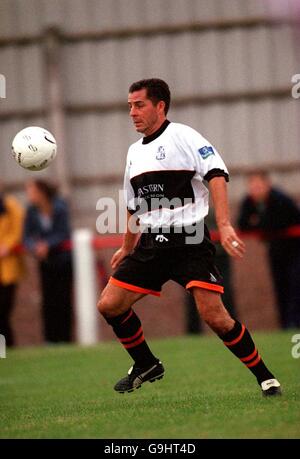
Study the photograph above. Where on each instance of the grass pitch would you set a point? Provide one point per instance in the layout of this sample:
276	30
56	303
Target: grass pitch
66	392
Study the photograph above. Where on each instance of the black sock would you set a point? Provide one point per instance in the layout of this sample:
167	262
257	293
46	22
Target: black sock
239	342
128	329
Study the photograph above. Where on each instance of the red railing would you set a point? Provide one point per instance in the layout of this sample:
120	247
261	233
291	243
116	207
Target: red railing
115	240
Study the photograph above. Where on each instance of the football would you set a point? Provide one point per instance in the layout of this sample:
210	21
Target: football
34	148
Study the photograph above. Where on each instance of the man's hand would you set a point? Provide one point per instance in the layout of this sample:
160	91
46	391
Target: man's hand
233	245
41	250
118	256
129	242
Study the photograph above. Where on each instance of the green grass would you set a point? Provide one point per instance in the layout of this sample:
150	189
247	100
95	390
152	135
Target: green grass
66	392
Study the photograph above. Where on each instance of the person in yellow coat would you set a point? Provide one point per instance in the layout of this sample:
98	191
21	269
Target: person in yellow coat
11	265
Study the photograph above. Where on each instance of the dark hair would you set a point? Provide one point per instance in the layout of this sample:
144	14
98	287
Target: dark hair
157	90
262	173
46	188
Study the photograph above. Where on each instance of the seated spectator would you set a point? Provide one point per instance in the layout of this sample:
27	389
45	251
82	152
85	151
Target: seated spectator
47	228
268	208
11	262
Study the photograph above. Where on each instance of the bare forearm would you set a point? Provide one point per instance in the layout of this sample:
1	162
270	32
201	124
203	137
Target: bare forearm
218	190
130	237
233	245
129	241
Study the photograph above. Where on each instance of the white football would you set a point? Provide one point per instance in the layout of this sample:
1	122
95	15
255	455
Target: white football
34	148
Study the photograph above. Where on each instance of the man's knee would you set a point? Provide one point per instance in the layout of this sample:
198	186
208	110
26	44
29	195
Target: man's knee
107	307
220	324
214	314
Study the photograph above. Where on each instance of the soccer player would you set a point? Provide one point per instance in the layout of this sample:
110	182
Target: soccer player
168	165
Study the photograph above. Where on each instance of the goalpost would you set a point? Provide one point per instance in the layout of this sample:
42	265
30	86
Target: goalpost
85	287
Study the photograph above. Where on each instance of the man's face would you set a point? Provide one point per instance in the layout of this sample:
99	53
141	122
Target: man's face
145	115
259	188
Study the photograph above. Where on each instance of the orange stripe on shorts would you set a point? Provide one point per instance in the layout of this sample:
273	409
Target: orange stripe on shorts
205	285
133	288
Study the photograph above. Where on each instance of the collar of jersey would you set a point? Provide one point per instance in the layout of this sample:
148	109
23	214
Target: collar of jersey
151	137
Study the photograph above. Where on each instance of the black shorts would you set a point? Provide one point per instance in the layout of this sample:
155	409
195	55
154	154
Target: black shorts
152	263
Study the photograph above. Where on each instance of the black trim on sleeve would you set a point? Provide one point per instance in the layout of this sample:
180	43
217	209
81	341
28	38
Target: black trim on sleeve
131	211
216	173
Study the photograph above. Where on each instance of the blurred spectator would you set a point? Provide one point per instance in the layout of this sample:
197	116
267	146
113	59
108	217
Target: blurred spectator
268	208
46	230
11	263
223	262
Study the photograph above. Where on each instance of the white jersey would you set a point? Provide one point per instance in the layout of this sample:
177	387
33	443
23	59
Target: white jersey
164	176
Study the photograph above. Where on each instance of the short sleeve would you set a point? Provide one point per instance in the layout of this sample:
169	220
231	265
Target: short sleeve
128	190
207	161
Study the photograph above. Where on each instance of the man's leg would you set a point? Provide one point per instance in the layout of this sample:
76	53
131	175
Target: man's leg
281	282
235	336
293	297
49	304
115	305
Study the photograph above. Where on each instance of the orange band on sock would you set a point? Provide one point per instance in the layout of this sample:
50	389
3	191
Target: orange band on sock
236	340
135	343
127	317
249	365
250	357
131	338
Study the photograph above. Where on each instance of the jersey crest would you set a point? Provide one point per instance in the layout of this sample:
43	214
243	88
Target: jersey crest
161	154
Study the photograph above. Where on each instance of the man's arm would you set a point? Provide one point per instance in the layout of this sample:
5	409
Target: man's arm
130	240
218	190
13	236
